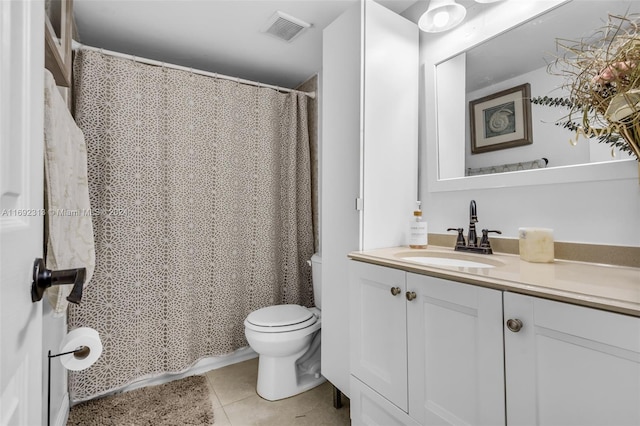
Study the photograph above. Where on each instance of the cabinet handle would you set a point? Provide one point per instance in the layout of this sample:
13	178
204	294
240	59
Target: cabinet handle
514	325
395	291
411	295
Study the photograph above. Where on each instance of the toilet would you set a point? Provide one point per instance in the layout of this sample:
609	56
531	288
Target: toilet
287	339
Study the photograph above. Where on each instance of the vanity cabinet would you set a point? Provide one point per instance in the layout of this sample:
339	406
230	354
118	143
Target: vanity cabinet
570	365
443	352
431	347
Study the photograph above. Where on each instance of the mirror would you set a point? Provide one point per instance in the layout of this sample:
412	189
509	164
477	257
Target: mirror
488	58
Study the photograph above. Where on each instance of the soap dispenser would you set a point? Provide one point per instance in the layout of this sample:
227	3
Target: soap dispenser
418	235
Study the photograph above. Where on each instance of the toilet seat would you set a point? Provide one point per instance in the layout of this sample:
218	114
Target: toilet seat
280	318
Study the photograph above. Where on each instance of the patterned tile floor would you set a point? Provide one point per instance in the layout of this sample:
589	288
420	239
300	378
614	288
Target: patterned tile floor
236	403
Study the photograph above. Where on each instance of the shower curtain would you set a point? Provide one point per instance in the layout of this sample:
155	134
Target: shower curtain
201	206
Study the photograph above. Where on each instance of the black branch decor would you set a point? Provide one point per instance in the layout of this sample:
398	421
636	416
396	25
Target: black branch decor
609	137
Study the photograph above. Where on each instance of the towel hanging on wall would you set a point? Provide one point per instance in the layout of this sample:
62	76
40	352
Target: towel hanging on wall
70	241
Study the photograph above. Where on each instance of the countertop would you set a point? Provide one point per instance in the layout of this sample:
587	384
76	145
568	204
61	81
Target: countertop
608	287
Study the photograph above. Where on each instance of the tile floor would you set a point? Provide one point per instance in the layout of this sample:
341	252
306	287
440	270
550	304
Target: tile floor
236	403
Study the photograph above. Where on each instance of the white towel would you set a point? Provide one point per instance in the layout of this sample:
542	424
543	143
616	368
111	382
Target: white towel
70	241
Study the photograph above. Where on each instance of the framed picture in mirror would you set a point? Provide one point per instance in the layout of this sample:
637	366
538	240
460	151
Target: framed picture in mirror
501	120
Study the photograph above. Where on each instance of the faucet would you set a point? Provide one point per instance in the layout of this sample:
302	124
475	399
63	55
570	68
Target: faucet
472	240
471	244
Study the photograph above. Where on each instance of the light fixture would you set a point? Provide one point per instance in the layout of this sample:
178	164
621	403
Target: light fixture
442	15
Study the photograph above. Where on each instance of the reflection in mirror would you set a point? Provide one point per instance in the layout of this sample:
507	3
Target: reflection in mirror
514	58
53	10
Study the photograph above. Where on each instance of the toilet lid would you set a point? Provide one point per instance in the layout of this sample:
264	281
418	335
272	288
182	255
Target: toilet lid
281	317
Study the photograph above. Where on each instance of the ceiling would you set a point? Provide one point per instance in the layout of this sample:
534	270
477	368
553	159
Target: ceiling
222	36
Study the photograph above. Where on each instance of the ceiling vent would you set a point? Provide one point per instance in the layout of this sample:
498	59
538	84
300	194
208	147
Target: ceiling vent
285	27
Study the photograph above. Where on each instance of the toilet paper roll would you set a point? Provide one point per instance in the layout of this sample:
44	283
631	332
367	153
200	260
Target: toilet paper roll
83	336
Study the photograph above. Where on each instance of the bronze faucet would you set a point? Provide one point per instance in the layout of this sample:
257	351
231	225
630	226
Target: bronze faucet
472	240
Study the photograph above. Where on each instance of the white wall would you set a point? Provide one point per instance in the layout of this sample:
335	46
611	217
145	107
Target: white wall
593	212
549	140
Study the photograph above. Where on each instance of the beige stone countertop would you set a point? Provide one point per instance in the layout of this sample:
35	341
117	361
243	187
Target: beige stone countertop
608	287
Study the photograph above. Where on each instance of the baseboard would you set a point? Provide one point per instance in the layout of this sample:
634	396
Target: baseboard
200	367
63	411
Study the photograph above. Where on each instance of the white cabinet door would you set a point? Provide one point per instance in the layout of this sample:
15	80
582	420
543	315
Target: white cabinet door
570	365
368	408
456	364
378	330
21	221
340	156
390	127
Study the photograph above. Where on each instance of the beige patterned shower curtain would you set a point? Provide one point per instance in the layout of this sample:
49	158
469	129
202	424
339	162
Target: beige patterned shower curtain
201	204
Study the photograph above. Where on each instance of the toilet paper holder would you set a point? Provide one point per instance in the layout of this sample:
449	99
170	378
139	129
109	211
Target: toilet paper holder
82	348
81	352
44	278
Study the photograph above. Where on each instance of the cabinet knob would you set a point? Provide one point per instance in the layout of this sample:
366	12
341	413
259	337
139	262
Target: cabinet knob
411	295
395	291
514	325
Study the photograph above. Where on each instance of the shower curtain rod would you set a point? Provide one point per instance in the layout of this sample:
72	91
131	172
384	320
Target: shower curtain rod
76	46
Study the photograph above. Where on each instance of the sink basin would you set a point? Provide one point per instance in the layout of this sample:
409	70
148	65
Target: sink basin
446	259
443	261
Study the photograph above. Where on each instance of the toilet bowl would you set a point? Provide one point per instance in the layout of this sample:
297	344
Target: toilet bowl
287	340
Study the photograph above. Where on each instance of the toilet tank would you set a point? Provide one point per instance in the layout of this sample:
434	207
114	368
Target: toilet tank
316	278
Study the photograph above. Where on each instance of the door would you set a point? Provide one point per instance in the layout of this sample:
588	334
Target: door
389	171
340	186
378	329
456	367
570	365
21	201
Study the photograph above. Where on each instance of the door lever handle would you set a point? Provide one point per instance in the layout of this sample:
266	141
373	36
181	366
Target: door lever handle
44	278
